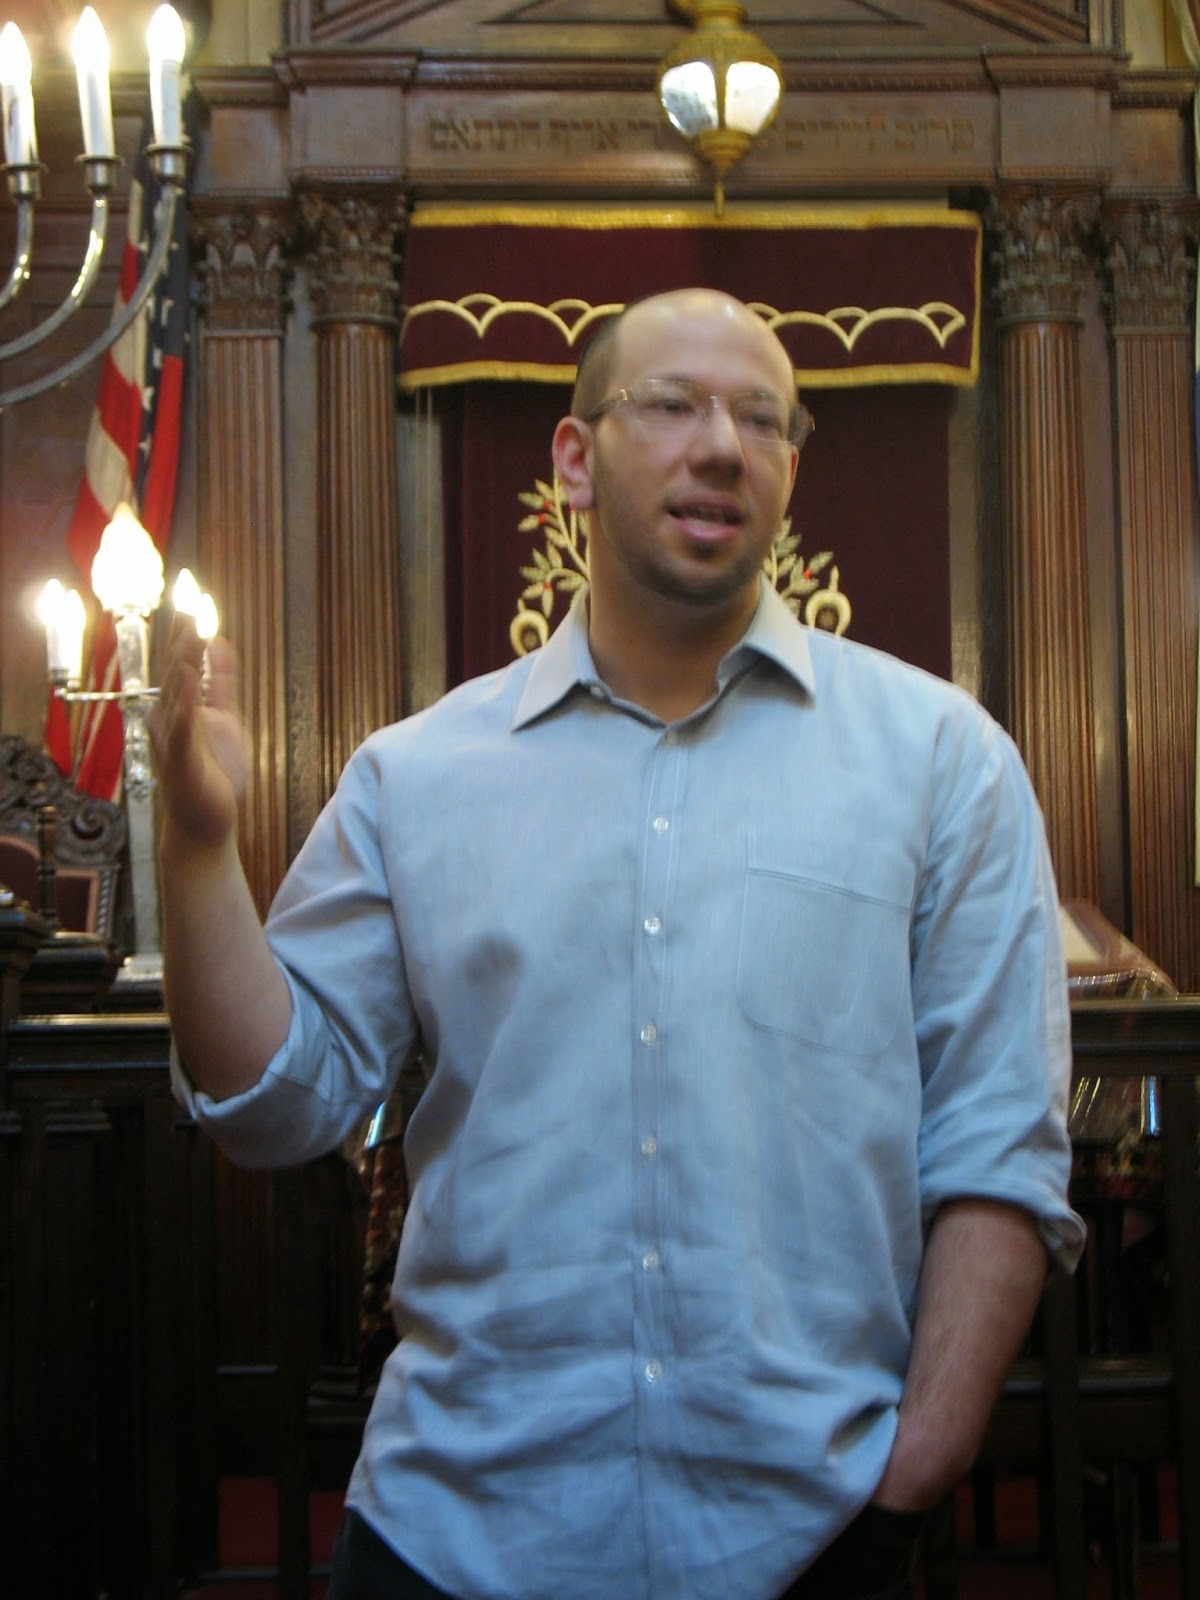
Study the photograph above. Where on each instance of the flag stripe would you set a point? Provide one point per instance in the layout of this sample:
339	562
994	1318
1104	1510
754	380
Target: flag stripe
158	494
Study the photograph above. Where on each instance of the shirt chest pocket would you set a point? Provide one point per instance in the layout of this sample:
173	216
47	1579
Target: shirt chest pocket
824	962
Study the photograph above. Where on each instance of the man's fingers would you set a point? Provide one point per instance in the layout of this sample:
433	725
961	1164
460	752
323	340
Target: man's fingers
222	675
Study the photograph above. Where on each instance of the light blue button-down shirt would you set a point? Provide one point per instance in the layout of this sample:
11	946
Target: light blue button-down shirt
718	1014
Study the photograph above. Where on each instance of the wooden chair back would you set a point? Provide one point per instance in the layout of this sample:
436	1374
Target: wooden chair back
89	840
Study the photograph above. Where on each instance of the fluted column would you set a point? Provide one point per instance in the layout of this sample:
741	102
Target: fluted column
240	536
354	291
1048	645
1151	267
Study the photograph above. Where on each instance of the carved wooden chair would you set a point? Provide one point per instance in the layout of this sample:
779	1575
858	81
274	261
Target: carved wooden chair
87	843
61	852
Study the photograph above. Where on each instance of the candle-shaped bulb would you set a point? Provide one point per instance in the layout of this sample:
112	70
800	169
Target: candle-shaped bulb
127	574
16	97
185	596
89	47
208	623
16	64
166	42
63	617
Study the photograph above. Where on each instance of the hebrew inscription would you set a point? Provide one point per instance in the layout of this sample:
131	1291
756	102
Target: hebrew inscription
880	137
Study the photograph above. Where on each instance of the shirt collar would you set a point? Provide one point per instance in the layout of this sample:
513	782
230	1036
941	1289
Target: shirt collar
774	633
565	660
562	662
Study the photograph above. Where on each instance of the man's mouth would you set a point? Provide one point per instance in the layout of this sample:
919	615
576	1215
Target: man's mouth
706	519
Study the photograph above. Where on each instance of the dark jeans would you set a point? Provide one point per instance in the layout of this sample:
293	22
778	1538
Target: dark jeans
871	1560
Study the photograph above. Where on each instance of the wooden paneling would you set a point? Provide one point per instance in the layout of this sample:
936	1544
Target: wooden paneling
105	1285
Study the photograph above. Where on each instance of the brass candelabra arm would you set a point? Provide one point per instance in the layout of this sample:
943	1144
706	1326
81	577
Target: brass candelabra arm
170	164
79	290
121	697
18	276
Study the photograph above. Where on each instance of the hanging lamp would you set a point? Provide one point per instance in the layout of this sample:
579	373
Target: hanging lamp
720	86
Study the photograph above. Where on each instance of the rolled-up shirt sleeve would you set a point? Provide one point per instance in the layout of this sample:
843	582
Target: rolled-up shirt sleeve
333	932
990	998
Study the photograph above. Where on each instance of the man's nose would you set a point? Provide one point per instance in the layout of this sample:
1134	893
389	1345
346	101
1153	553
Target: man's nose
717	431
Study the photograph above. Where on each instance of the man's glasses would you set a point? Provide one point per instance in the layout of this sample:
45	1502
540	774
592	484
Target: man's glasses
675	407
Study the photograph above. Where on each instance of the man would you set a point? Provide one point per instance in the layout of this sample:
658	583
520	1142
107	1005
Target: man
734	952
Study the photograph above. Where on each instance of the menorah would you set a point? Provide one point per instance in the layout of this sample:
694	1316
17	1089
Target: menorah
167	156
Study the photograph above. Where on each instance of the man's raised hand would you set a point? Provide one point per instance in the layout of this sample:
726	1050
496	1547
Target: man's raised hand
200	743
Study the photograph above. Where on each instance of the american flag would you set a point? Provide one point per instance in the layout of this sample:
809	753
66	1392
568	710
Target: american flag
132	455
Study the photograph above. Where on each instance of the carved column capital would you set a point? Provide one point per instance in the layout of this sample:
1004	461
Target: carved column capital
244	267
352	254
1041	235
1150	256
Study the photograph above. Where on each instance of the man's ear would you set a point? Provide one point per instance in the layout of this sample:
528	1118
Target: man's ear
572	450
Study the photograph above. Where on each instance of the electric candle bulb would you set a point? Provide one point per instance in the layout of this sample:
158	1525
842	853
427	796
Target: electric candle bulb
16	97
62	614
89	47
127	574
188	596
208	623
185	596
166	42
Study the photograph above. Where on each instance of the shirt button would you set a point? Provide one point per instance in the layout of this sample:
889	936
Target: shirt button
660	824
652	1371
649	1145
672	736
649	1033
596	692
652	925
650	1261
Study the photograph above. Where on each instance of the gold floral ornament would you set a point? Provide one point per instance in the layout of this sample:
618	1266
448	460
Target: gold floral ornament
561	567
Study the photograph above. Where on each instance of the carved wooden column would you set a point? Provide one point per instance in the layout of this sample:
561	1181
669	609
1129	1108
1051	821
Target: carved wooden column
240	535
1048	645
354	290
1152	270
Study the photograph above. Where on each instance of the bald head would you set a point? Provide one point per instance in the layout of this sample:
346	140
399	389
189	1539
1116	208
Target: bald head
678	308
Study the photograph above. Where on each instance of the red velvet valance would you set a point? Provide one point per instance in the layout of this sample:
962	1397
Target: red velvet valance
858	295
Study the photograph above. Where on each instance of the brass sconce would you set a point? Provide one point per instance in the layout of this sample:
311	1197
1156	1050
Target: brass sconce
720	86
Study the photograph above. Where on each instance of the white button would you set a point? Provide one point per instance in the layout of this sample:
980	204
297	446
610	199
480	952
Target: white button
649	1145
652	925
672	736
596	692
649	1033
650	1261
652	1371
660	824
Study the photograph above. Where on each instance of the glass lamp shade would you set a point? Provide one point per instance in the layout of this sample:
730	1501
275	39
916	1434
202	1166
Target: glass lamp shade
127	574
689	97
720	77
751	96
